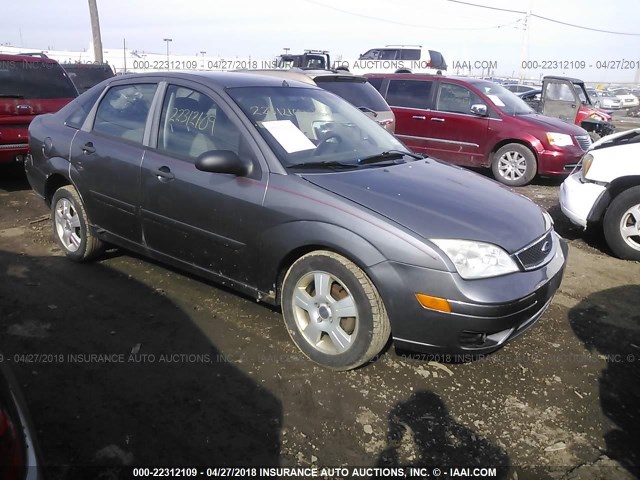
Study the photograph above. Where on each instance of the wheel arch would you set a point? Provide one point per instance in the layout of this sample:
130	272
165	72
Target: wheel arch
53	183
291	241
615	188
507	141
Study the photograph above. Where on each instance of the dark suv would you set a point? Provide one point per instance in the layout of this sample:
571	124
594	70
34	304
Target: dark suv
478	123
86	75
29	85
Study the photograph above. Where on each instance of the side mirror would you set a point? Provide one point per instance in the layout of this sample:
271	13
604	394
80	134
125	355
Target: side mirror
479	109
223	161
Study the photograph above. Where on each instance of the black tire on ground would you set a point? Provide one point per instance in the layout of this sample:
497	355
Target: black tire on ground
71	226
514	165
624	213
320	292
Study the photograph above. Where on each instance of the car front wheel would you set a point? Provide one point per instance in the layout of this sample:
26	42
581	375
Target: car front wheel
622	224
514	165
333	312
71	225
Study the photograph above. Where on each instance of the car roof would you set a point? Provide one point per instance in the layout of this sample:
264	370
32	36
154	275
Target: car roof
425	76
30	58
307	76
219	80
568	79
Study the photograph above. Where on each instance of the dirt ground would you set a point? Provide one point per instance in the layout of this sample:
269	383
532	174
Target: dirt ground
124	361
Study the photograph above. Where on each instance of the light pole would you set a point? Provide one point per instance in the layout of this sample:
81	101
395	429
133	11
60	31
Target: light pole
167	40
203	54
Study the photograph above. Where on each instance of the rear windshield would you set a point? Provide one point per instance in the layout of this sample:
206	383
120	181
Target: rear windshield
20	79
86	76
357	93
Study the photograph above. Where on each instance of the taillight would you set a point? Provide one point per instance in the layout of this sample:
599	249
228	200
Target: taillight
11	449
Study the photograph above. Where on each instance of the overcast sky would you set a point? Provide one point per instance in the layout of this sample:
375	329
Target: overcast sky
262	29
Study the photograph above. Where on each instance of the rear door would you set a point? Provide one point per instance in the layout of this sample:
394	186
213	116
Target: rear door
410	101
457	135
107	156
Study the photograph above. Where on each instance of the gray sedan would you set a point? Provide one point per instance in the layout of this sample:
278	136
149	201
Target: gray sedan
289	194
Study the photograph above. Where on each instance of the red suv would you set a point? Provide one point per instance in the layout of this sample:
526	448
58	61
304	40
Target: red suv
478	123
29	85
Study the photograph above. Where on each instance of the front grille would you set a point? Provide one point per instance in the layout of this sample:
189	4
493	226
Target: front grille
584	141
535	255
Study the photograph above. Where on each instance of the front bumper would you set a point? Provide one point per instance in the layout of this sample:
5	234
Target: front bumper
578	198
559	162
485	315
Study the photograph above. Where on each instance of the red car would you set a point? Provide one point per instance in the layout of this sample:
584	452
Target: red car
29	85
477	123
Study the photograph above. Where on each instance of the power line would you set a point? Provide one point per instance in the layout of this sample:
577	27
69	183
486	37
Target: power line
584	28
546	18
402	24
488	7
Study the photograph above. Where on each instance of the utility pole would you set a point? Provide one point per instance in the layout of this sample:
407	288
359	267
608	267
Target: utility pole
95	29
524	55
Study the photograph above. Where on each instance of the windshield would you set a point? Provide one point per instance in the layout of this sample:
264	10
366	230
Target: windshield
310	125
502	98
621	91
356	92
35	80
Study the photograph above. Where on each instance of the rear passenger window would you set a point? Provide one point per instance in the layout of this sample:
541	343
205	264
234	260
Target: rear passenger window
457	99
409	93
123	111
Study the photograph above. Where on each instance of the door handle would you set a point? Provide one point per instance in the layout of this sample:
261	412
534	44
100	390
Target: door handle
164	174
88	148
437	119
419	117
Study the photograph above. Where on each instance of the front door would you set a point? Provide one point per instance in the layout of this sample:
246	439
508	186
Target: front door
559	100
204	219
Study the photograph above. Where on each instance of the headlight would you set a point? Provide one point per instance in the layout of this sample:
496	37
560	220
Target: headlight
587	160
477	259
559	139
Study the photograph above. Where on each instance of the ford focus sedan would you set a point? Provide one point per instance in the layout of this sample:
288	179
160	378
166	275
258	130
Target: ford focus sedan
289	194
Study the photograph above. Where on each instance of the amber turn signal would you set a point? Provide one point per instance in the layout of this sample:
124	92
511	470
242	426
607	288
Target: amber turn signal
434	303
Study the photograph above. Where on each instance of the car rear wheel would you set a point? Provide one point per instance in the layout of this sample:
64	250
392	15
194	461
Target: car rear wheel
622	224
333	312
514	165
71	225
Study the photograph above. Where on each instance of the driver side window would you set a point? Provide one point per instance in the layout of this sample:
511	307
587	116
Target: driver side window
191	123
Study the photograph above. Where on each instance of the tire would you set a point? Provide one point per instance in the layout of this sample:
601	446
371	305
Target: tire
514	165
339	342
622	225
71	225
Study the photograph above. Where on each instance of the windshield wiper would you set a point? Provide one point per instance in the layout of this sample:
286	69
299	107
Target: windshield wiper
389	155
324	164
11	95
368	110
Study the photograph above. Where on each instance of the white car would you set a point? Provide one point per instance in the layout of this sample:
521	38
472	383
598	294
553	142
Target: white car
606	191
626	97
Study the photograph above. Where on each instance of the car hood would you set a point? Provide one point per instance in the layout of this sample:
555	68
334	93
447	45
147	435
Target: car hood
437	200
552	124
